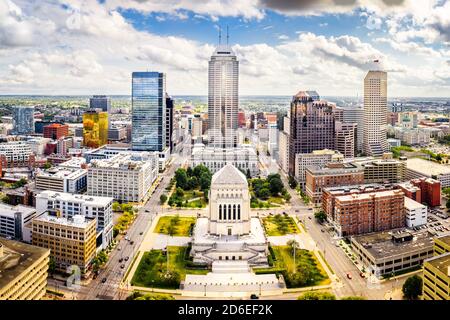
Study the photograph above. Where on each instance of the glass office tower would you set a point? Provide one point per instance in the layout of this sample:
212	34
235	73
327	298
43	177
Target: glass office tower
95	129
23	120
149	111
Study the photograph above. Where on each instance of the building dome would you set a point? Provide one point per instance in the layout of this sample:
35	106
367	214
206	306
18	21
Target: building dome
229	175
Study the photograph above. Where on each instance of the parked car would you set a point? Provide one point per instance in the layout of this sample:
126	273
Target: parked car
127	258
362	275
122	266
132	242
104	280
120	260
349	276
141	233
254	297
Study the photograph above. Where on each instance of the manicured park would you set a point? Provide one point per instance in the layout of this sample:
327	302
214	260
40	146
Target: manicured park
175	226
304	272
280	225
156	270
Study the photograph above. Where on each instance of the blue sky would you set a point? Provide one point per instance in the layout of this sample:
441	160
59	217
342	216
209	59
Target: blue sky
88	47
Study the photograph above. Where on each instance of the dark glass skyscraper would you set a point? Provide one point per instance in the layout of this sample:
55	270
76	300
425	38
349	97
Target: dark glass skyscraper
149	111
170	115
100	102
312	125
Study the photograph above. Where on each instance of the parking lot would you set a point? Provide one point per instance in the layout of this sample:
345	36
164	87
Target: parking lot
438	223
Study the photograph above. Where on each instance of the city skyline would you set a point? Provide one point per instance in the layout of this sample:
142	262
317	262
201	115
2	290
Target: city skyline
78	48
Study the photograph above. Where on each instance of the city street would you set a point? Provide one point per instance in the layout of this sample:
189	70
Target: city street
113	271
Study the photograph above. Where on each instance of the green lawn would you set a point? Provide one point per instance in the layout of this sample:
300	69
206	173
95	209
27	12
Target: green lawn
272	202
280	225
152	269
181	225
307	270
190	199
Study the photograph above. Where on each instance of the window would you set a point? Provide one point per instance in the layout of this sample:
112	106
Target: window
234	212
220	212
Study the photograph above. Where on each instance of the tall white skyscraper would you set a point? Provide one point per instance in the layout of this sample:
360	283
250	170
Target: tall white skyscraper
375	113
223	98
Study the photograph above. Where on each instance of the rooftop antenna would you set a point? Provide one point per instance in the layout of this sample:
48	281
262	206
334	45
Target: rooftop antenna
228	36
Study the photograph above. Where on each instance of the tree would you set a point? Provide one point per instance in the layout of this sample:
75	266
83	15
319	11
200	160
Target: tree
47	165
412	288
320	216
447	204
205	180
353	298
51	265
275	184
163	198
179	193
181	179
193	183
264	193
117	207
311	295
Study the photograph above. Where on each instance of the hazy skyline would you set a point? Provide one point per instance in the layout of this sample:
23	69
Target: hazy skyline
92	47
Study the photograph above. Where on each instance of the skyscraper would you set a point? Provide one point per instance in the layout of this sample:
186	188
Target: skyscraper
375	113
355	114
223	98
149	111
170	115
100	102
95	129
312	125
23	120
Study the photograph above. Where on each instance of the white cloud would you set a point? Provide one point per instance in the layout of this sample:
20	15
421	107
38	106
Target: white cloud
100	55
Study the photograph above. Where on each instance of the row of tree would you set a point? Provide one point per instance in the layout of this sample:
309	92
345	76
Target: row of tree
191	179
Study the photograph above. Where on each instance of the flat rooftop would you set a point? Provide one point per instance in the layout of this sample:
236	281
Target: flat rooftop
16	258
445	239
441	262
335	168
380	244
8	210
358	188
411	204
68	197
76	221
427	168
120	161
61	172
368	195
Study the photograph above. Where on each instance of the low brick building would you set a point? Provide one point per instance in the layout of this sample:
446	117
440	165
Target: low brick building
356	214
331	175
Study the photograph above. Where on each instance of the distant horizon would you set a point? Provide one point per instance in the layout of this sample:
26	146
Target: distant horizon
205	95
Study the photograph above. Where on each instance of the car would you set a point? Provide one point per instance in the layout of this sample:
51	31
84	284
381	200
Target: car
349	276
122	266
362	275
120	260
104	280
141	233
254	297
119	248
127	258
147	211
310	209
309	218
132	242
322	230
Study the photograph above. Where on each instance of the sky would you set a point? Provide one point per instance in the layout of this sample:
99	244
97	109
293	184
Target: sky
85	47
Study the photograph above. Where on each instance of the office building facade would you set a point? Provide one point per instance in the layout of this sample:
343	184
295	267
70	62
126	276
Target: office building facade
149	111
23	120
375	113
95	129
223	98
